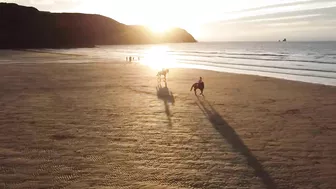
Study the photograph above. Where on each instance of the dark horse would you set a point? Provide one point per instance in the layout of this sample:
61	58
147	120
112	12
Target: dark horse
199	86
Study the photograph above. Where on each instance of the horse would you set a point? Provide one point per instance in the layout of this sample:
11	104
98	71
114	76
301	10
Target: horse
199	86
163	73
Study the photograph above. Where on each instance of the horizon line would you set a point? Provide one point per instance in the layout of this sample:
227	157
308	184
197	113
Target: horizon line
200	41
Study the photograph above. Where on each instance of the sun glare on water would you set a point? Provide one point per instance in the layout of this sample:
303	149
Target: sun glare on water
158	58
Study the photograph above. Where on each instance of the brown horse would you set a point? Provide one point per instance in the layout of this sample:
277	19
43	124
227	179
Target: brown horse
199	86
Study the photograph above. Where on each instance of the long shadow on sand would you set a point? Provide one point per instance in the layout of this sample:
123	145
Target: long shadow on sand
234	140
167	97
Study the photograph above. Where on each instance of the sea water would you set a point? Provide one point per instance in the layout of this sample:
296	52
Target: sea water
313	62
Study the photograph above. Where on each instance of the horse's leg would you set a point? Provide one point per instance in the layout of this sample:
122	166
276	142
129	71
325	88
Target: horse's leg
159	78
195	90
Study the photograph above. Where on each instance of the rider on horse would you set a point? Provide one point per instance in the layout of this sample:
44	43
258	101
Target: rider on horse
199	85
163	73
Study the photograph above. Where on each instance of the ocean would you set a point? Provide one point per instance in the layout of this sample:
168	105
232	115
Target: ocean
313	62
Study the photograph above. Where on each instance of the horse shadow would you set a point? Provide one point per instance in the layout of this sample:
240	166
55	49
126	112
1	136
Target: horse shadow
230	135
167	97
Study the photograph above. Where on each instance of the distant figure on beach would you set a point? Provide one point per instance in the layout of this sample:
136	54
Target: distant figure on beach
199	85
163	73
130	59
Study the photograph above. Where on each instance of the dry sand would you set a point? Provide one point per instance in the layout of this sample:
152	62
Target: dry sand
106	126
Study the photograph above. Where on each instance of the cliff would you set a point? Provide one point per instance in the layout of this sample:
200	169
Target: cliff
27	27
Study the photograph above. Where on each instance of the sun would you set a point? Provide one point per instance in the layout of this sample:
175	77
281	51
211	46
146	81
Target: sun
158	28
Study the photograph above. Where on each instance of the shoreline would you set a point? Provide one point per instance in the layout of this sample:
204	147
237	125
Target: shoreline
280	78
119	62
78	58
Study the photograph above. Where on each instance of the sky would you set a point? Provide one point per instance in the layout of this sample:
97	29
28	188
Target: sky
215	20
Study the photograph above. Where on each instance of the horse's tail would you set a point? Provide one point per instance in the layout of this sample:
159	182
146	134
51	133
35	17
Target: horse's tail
193	86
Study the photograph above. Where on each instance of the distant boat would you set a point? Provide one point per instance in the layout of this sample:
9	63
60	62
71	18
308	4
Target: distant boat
284	40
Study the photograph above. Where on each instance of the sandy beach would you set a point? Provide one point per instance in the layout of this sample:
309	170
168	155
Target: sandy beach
109	125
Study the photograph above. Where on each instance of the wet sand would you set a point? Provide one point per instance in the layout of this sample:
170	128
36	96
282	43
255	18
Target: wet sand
111	126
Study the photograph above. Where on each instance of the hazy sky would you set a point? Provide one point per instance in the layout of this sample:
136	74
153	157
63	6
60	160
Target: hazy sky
215	20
